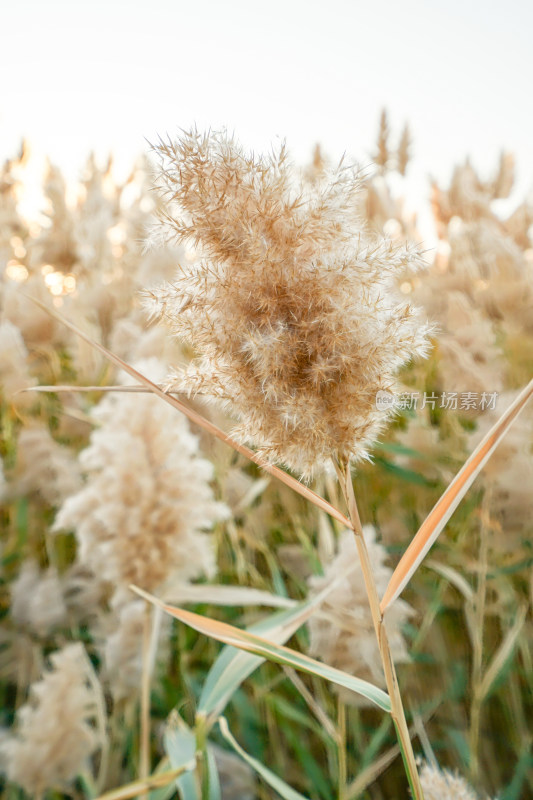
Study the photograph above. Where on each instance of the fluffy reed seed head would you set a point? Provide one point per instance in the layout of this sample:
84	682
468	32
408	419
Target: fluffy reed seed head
120	638
292	309
44	466
54	735
342	634
37	602
444	785
143	515
14	372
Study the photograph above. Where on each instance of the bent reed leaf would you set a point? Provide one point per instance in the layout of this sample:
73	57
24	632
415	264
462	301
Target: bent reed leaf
198	419
279	785
232	666
243	640
444	508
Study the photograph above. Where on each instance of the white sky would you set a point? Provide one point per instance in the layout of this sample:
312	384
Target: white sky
105	74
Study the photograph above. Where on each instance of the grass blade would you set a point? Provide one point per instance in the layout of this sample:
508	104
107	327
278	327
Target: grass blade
454	578
444	508
282	788
232	666
369	774
198	419
251	643
503	654
180	747
215	791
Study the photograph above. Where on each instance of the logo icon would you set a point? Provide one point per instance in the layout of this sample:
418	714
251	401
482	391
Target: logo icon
384	400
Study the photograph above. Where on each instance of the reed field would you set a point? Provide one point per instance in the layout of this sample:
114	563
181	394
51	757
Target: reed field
266	479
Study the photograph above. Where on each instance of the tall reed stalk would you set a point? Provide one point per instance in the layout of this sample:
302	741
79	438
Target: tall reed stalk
397	713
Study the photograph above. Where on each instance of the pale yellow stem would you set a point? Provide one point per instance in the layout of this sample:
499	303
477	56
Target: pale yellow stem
397	712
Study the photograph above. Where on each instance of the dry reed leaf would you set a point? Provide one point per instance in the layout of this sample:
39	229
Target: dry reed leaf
199	420
155	781
66	388
227	596
112	388
244	640
371	773
444	508
313	704
453	577
503	653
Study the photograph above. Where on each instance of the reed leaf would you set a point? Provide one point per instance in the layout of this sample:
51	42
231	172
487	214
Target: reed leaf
282	788
233	666
444	508
503	654
180	747
251	643
228	596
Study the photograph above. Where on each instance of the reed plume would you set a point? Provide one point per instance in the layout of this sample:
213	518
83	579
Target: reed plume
444	785
44	466
37	602
54	735
291	307
145	510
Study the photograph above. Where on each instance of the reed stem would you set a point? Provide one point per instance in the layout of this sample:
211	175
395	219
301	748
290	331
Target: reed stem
397	712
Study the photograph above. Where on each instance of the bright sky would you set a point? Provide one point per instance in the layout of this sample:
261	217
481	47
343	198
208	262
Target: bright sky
103	75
